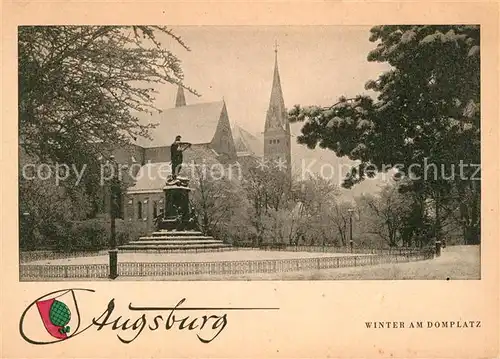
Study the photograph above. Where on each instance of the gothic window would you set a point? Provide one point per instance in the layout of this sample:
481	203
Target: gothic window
277	141
155	209
139	209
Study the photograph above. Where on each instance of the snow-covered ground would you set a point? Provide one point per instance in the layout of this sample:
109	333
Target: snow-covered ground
455	263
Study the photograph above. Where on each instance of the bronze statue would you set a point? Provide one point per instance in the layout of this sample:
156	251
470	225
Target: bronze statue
176	150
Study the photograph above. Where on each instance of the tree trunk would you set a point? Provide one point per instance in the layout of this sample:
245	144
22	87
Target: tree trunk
470	215
473	227
437	222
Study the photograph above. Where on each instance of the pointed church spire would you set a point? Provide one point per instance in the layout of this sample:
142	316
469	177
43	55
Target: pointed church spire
276	114
180	99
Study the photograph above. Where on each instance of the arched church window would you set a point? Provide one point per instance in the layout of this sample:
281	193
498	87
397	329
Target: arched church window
139	209
155	209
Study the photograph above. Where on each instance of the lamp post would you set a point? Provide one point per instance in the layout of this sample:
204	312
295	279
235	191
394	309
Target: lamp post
351	243
113	206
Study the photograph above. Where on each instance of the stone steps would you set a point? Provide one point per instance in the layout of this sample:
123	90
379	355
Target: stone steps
182	250
170	247
176	234
171	242
175	238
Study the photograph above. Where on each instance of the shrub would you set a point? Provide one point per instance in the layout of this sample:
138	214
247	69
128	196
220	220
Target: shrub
56	234
88	235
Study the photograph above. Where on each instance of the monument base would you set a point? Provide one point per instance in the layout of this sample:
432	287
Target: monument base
177	227
175	241
176	224
178	214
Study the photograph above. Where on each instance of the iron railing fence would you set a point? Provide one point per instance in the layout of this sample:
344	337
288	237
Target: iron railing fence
166	269
140	269
51	271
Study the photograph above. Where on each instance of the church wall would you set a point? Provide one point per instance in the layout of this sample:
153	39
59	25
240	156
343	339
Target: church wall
143	223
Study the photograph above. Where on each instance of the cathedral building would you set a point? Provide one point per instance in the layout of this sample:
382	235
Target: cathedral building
207	127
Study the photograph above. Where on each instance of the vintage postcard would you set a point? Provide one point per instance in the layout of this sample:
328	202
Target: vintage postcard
250	180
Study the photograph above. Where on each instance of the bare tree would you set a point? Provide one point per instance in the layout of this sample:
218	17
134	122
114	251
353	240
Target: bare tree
387	211
214	201
317	219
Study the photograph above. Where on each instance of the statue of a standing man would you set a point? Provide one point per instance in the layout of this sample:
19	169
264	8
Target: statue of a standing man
176	150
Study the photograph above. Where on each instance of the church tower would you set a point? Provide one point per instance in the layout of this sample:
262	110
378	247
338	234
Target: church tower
277	144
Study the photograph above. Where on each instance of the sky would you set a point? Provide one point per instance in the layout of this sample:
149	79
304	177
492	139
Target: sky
317	65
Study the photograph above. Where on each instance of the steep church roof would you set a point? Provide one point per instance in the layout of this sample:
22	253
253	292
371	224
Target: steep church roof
196	124
247	143
276	114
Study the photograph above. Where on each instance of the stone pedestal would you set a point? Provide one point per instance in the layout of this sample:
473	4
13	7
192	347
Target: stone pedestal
177	214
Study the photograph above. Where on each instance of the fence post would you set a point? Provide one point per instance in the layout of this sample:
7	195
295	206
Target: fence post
438	248
113	263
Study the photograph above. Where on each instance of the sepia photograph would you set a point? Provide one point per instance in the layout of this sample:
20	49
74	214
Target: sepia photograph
255	153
